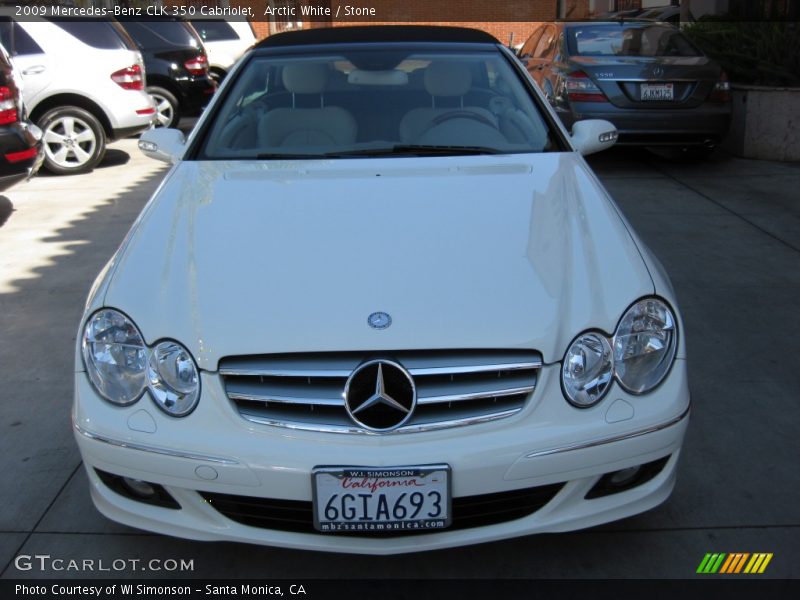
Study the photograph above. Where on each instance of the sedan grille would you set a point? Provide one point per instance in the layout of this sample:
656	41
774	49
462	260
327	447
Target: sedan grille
454	388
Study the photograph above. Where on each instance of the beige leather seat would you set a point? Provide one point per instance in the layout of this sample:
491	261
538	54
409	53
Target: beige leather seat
442	80
323	126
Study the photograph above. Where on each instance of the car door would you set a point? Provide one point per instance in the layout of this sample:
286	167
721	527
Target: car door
33	65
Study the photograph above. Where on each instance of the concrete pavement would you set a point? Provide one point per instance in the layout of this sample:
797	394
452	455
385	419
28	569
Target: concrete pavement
728	232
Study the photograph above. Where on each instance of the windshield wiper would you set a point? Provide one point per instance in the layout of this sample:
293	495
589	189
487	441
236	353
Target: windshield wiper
283	156
396	150
417	150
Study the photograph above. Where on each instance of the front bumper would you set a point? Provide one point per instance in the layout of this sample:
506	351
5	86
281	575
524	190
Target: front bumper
215	451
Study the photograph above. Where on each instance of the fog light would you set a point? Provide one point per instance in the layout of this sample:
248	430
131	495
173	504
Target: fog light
625	476
139	487
626	479
138	490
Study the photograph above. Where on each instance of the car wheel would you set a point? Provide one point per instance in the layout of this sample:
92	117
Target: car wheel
167	109
74	140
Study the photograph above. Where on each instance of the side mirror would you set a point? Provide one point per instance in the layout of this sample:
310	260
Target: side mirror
593	136
166	145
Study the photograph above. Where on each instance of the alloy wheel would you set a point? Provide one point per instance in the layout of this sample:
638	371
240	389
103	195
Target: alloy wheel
165	112
70	142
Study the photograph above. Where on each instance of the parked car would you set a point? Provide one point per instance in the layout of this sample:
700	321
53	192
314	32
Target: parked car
21	151
83	86
380	304
225	42
177	67
645	77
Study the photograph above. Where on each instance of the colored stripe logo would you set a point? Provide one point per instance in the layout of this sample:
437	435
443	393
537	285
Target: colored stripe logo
734	563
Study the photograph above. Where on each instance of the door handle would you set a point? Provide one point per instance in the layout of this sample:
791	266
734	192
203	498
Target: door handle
34	70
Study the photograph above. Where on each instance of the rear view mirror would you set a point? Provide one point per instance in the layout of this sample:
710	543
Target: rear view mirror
593	136
165	145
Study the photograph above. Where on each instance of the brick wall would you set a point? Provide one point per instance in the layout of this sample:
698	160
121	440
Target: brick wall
500	18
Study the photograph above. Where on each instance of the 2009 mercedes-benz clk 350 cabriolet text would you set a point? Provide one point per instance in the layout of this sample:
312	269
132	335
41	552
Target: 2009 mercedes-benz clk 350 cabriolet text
379	304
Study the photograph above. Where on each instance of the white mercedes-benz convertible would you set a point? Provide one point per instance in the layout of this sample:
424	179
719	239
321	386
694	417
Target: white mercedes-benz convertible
379	304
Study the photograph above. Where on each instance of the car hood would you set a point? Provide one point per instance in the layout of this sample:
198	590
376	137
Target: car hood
236	258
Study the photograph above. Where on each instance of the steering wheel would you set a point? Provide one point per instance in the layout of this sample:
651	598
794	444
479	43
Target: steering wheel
463	114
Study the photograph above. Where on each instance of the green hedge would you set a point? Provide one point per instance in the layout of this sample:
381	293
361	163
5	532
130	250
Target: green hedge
754	53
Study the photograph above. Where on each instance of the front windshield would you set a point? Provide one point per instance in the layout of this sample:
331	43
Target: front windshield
376	102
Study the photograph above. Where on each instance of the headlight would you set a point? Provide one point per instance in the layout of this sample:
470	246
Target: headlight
172	379
644	345
588	369
121	366
115	356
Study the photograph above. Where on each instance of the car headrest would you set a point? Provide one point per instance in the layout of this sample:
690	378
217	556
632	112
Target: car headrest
306	78
447	79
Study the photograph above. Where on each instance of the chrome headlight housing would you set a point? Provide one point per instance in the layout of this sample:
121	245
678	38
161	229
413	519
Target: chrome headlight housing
588	369
115	356
173	379
639	355
121	366
645	344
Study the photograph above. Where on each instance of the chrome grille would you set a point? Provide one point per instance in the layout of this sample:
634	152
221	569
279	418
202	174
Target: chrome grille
454	388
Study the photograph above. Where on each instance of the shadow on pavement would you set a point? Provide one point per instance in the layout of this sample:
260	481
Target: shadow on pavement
51	266
114	157
6	208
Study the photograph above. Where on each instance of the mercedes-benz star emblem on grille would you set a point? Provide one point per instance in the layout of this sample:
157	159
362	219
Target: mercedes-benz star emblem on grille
379	320
380	395
658	71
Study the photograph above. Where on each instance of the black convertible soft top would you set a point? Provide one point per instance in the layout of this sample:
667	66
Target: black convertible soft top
378	33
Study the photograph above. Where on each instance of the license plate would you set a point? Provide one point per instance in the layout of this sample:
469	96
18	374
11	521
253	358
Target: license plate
380	500
657	91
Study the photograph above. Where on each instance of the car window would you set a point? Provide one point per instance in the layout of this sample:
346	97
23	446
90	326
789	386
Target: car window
16	39
96	33
633	39
546	42
214	31
375	102
160	34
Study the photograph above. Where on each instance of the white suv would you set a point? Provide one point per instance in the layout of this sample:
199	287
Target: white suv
225	42
84	86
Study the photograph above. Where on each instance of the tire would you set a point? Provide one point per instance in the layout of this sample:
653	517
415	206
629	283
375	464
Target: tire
168	111
74	140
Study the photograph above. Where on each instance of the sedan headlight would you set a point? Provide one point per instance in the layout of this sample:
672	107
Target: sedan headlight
121	366
644	345
638	356
172	379
115	356
588	369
